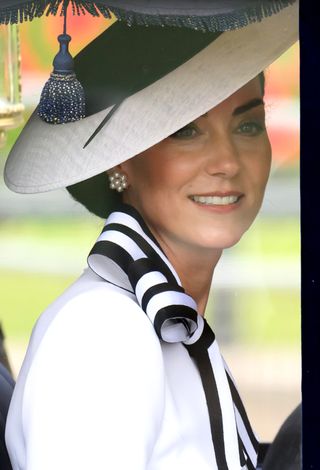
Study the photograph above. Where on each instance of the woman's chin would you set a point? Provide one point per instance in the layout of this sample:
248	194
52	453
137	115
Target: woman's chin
218	242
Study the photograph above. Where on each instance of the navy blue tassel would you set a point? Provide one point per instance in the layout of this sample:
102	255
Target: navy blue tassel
62	98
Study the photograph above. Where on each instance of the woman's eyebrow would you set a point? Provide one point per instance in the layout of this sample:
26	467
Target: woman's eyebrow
244	107
249	105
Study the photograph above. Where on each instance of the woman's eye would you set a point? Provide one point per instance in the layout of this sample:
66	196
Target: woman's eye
251	128
186	132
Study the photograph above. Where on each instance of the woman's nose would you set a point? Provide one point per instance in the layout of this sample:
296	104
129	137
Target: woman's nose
222	158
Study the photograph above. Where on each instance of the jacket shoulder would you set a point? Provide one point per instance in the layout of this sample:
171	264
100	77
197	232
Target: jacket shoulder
96	357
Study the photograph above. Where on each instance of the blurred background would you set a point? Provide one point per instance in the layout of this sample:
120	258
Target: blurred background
254	306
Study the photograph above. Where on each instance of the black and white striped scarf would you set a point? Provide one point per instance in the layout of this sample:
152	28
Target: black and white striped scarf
127	254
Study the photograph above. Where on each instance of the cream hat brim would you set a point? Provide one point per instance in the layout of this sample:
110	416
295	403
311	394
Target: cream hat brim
47	156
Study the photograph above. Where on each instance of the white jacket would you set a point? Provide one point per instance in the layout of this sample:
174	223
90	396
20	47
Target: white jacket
98	390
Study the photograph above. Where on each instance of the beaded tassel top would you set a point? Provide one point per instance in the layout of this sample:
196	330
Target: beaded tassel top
62	98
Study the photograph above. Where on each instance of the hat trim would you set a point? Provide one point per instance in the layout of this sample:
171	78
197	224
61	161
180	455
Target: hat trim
200	18
31	9
203	19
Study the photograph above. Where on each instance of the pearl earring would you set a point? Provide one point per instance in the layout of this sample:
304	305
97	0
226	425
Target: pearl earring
118	181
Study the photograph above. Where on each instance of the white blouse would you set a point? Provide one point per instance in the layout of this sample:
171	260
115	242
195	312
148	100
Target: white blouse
98	390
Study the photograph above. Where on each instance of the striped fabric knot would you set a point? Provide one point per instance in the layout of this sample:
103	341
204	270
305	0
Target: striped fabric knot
127	255
172	311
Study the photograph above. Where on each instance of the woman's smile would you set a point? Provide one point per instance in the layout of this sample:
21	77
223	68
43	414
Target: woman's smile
218	202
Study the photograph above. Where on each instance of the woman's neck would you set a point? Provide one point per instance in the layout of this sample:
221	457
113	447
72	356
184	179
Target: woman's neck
195	268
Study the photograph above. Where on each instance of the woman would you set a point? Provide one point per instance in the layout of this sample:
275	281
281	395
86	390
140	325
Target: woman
154	392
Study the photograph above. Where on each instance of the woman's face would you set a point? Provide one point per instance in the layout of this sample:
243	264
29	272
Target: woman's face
202	187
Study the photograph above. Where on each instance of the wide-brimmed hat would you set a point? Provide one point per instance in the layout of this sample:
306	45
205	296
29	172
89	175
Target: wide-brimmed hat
158	80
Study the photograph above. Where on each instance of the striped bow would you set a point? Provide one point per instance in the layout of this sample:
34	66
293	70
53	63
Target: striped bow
127	255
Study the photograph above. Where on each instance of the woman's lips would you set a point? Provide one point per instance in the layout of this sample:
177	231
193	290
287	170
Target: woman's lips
218	201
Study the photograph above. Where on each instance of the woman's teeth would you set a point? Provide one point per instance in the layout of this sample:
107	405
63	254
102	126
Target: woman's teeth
215	200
